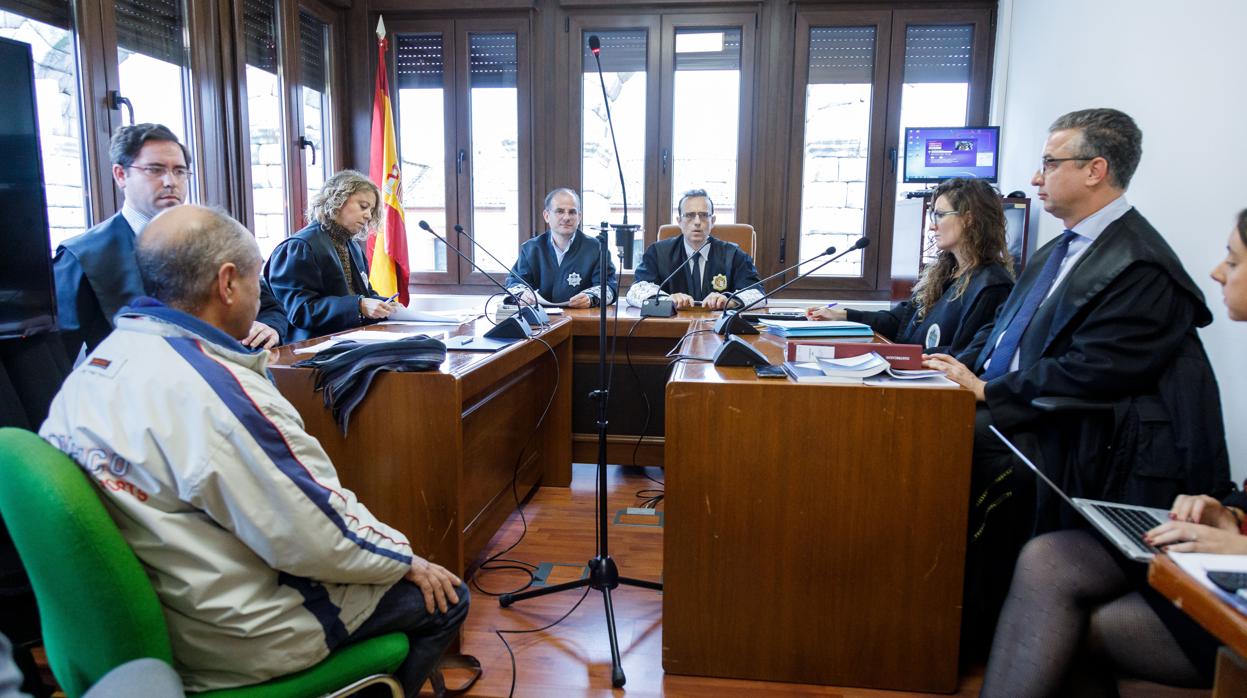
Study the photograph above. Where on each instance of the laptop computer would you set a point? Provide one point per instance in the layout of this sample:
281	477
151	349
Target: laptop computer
1122	524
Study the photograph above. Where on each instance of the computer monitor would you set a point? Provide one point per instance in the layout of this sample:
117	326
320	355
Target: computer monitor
937	154
27	294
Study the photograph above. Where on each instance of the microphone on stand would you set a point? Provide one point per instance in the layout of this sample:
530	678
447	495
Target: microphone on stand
624	234
731	322
534	313
654	306
736	352
506	331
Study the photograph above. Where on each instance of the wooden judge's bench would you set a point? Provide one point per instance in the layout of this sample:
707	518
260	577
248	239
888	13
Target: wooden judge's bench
805	540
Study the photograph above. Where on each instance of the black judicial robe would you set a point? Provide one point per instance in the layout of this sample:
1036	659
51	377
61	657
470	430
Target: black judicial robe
1121	328
538	267
306	276
97	275
950	325
726	258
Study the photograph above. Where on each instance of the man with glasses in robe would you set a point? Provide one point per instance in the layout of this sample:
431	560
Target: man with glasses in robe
713	268
96	274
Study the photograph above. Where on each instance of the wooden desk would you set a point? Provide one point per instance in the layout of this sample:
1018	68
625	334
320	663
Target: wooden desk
1213	614
646	342
805	540
433	453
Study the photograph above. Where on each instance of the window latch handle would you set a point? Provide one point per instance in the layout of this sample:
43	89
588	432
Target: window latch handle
666	155
116	101
463	155
305	142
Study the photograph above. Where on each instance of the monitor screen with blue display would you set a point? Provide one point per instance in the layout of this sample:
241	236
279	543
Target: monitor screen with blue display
937	154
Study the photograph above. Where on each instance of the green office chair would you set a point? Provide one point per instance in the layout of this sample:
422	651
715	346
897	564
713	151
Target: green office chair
97	606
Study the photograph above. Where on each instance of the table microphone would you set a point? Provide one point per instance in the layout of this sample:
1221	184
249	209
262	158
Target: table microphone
509	329
665	307
737	352
731	322
534	314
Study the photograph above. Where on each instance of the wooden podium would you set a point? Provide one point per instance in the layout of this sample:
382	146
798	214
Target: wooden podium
433	453
814	533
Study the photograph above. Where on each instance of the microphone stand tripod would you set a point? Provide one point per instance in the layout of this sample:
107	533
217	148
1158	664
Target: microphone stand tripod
603	573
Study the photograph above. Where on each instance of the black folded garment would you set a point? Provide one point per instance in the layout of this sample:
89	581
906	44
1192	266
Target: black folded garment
345	371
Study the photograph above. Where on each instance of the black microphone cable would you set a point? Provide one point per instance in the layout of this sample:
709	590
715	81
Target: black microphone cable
519	565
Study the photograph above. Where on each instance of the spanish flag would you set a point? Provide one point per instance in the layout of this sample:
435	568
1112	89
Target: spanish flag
388	268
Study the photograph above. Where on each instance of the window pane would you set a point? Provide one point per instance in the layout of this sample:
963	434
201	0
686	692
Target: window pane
314	97
265	125
494	118
152	63
623	70
705	127
937	81
420	69
837	139
56	99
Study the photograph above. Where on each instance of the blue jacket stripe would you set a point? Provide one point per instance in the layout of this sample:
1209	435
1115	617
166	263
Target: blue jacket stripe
316	600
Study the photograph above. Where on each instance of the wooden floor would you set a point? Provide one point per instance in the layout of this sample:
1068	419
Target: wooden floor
573	657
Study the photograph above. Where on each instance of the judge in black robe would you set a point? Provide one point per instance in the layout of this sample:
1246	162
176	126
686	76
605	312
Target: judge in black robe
307	276
538	267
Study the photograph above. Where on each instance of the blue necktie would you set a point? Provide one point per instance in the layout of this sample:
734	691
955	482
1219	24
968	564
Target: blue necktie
1002	356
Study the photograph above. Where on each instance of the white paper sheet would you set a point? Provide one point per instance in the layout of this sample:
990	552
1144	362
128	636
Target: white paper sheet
1198	564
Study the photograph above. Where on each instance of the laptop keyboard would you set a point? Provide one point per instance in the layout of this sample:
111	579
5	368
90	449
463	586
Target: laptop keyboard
1131	521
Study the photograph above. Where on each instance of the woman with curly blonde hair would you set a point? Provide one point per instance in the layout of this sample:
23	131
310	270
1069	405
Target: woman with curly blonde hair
959	292
319	273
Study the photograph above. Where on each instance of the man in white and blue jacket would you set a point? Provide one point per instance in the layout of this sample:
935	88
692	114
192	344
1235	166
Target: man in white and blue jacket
262	560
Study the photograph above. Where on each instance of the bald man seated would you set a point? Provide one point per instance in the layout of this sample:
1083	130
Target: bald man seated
263	561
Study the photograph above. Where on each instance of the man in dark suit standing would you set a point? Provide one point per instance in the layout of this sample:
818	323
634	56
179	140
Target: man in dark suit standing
96	273
713	268
1104	313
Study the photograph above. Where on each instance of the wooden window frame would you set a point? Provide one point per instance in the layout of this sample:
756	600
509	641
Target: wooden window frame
884	151
459	276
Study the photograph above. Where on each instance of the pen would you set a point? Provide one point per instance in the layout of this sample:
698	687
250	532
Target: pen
832	305
391	299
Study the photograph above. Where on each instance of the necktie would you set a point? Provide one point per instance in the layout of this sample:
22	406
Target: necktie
1002	356
697	286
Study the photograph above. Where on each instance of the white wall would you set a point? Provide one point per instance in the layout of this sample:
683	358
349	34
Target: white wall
1180	69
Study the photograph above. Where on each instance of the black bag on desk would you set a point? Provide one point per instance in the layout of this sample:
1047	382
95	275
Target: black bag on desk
345	371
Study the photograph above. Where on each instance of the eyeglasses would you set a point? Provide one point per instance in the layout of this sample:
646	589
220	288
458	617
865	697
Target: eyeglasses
1047	165
180	174
937	216
694	215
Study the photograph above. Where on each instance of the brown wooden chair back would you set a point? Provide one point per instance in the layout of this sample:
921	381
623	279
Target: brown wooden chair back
742	234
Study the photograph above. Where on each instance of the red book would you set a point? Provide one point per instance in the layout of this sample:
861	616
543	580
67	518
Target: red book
900	356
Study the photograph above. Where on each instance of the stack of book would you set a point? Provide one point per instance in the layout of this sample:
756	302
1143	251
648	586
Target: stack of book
840	329
870	369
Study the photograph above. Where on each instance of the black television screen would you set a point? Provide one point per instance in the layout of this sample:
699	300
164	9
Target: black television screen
937	154
27	294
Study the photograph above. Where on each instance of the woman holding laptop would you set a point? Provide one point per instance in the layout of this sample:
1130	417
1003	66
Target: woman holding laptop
1078	615
959	292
